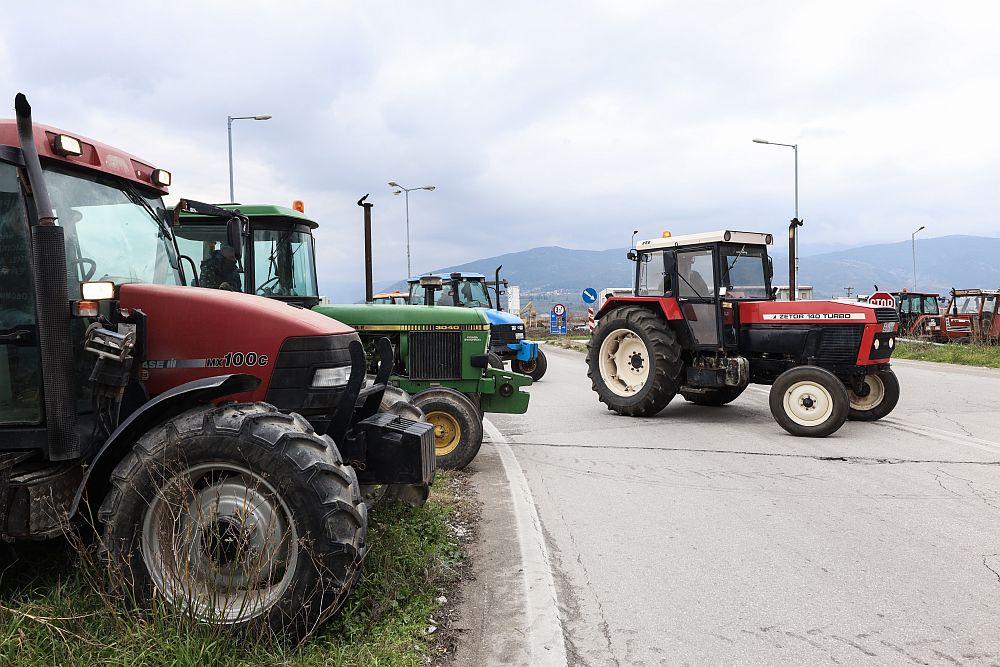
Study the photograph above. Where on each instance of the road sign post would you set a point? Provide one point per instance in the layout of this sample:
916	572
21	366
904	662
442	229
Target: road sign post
557	320
589	296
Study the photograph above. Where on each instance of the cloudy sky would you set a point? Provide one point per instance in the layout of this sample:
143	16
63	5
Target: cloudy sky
558	123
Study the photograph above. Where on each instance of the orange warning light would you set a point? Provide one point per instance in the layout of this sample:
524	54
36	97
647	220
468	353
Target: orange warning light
297	205
666	235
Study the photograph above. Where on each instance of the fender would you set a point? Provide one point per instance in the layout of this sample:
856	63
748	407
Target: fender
96	478
671	309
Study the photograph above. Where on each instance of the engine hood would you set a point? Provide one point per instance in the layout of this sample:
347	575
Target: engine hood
500	317
399	317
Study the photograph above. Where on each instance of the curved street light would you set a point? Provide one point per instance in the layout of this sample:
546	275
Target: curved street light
794	279
406	195
913	246
229	129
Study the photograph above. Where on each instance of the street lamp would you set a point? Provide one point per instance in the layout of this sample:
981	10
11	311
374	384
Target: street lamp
913	245
406	195
794	278
229	129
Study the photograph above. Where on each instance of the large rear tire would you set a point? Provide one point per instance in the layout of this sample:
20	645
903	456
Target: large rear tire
458	426
712	397
534	369
237	515
880	399
634	362
809	401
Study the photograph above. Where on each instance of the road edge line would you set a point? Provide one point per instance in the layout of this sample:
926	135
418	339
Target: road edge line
546	640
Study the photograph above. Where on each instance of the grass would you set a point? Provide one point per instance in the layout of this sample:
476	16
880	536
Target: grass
975	354
53	610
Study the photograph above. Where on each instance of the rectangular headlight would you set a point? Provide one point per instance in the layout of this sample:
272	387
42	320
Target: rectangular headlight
67	145
160	177
97	291
331	377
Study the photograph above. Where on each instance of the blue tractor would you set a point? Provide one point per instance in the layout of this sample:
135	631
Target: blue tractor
470	290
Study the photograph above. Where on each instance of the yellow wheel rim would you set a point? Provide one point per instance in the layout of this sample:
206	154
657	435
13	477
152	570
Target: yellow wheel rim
447	432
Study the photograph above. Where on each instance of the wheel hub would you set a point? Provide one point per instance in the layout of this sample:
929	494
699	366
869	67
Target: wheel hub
624	362
808	403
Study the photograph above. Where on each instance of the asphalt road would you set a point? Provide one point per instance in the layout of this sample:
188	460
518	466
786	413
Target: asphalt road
710	536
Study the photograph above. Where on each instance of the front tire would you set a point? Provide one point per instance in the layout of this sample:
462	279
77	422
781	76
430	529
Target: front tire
634	362
237	515
809	401
458	426
880	399
534	369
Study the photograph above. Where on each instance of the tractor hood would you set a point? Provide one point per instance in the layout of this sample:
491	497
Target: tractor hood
398	317
499	317
194	332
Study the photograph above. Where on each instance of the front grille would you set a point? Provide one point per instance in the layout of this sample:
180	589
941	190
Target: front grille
886	315
290	388
435	355
839	344
502	334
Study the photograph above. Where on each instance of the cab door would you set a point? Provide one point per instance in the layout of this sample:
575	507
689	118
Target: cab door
697	292
20	372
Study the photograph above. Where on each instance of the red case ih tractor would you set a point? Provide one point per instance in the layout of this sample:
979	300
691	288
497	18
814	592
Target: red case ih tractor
702	322
112	374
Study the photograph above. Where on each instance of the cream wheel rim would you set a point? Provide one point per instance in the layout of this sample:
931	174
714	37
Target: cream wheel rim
624	362
808	403
876	393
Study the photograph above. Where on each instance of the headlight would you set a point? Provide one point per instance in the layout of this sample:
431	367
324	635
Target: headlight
519	336
877	344
331	377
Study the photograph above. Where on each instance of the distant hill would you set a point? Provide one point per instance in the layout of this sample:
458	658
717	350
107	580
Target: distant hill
552	274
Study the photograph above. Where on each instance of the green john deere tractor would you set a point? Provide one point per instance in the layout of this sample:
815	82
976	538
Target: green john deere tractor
441	352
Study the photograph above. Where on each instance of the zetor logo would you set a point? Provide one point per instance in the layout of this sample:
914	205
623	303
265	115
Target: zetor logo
814	316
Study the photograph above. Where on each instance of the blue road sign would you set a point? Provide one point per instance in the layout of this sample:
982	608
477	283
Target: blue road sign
558	320
589	295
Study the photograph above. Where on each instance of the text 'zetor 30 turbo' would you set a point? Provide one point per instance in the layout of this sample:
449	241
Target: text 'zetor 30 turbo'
702	321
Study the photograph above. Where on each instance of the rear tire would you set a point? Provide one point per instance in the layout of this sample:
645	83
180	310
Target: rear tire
534	369
237	515
634	362
809	401
494	360
458	426
883	394
712	397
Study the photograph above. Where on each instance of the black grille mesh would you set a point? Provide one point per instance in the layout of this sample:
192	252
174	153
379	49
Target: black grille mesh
839	345
886	315
435	355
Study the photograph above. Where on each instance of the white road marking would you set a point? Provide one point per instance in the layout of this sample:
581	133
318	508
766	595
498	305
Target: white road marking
546	644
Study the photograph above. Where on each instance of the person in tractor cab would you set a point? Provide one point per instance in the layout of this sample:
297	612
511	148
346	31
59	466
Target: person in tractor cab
687	273
220	270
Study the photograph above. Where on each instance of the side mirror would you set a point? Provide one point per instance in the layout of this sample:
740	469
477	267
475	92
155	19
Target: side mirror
632	255
770	269
234	235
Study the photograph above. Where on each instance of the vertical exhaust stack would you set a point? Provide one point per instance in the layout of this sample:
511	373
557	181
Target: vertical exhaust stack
369	293
793	260
48	262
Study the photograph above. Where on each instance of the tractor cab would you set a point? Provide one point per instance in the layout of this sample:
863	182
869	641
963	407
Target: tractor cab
507	333
974	314
708	275
396	298
917	306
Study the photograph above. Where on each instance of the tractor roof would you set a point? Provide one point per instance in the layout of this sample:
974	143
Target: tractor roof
975	292
257	211
96	156
721	236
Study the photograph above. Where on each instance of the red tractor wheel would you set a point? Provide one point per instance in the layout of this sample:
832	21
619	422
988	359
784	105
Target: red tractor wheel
880	395
634	362
809	401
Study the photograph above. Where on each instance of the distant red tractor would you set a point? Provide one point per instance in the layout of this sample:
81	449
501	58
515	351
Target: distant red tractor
702	322
919	314
972	315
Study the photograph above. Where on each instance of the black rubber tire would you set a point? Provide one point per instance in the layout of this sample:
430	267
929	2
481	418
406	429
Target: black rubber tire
840	403
664	353
712	397
494	360
890	386
534	369
305	470
466	416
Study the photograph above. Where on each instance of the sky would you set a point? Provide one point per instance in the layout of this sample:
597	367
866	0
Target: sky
538	123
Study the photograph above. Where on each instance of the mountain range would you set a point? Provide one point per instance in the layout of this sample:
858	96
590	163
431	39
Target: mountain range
552	274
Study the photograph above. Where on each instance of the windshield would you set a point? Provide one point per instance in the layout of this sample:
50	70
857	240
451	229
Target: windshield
930	305
113	231
743	272
463	293
284	263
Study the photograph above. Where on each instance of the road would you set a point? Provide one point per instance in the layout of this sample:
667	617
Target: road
710	536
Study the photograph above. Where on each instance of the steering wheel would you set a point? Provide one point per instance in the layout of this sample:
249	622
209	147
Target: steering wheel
266	288
89	263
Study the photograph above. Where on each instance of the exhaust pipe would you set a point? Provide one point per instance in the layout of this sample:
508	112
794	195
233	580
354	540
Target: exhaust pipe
793	260
48	262
369	293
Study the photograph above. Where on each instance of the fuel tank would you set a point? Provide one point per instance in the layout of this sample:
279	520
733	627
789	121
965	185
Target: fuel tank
194	333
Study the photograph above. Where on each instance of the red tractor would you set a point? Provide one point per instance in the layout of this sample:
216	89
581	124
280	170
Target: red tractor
221	440
919	314
702	322
973	315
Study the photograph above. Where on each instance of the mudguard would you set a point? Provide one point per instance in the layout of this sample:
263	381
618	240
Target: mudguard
165	406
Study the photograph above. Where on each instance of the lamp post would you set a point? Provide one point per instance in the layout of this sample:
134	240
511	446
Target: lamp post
229	129
794	278
406	195
913	246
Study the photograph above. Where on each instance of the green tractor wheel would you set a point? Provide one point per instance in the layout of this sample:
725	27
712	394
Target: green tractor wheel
458	425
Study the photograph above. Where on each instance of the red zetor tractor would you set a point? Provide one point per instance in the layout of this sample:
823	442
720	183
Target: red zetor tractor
919	314
703	322
219	439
